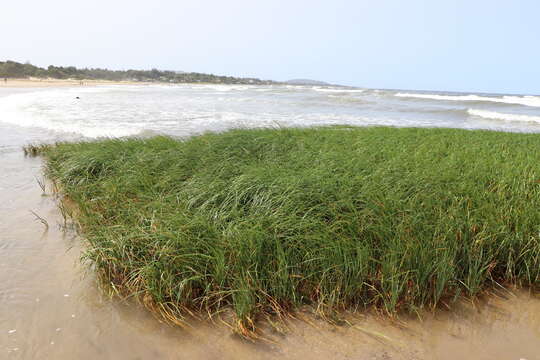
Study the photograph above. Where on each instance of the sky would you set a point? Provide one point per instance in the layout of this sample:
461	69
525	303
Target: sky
454	45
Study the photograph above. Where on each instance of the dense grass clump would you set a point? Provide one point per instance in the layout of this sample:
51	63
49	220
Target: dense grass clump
35	150
263	221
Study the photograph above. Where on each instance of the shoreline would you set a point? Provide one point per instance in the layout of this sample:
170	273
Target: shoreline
45	83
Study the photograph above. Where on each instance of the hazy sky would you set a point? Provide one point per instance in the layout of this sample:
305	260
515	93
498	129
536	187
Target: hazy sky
469	45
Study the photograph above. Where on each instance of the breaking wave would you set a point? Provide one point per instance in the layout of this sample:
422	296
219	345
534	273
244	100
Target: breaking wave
500	116
509	99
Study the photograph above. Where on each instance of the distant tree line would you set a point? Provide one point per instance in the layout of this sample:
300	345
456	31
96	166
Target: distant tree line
13	69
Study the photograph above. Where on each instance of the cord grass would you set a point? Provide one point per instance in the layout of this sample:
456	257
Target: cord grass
265	221
33	150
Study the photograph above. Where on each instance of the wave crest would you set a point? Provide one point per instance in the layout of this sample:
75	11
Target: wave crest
533	101
500	116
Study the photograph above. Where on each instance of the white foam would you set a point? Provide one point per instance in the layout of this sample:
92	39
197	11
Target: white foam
57	110
500	116
334	90
223	87
184	110
519	100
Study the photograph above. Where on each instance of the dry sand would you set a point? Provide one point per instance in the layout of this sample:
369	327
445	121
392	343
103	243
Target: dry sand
35	83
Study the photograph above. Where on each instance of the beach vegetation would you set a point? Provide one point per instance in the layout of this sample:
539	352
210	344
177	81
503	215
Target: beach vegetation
13	69
265	221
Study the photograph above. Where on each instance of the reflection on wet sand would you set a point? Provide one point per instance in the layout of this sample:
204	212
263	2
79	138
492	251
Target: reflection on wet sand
51	308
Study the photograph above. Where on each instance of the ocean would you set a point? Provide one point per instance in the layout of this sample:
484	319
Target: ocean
185	110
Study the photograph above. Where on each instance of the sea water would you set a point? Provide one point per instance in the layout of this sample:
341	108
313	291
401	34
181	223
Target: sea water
184	110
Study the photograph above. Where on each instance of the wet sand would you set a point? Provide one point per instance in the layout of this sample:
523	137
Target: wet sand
51	307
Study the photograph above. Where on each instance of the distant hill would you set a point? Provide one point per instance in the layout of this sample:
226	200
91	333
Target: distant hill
306	82
13	69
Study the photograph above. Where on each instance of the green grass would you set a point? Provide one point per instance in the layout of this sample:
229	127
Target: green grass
264	221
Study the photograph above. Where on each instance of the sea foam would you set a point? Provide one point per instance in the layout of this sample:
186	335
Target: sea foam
500	116
58	110
518	100
336	90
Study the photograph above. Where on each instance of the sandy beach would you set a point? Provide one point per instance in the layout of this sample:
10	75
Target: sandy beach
44	83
